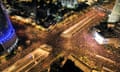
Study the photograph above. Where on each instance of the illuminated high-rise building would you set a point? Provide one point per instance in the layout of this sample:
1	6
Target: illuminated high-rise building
8	38
69	3
115	15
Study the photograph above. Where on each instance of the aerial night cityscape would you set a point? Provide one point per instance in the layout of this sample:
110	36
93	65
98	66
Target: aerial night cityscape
59	35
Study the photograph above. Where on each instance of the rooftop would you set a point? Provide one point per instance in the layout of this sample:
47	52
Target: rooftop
105	31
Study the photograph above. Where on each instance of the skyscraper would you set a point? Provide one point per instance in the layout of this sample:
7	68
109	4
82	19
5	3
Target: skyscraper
115	15
69	3
8	38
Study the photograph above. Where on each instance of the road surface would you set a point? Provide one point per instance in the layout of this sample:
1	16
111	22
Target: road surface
28	61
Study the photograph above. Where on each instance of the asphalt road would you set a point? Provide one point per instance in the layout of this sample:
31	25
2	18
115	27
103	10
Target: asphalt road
31	59
72	36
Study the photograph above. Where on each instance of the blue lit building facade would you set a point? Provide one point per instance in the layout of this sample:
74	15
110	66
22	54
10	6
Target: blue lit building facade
8	38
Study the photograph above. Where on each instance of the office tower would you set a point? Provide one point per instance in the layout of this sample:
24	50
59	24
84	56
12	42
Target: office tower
115	15
8	38
69	3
